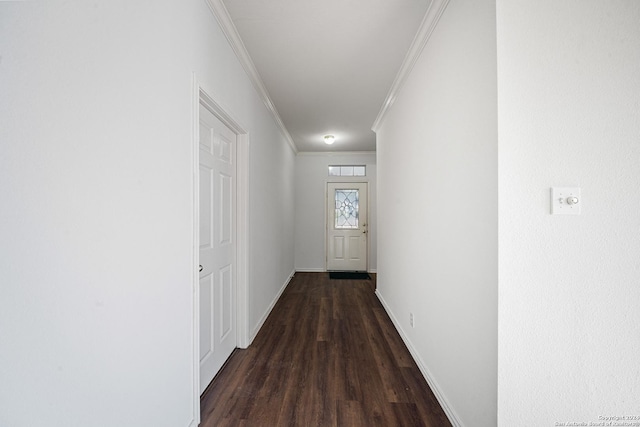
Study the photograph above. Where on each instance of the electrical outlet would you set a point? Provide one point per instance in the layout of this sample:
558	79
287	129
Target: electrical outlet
411	320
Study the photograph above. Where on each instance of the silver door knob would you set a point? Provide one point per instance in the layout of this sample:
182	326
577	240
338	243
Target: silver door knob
201	267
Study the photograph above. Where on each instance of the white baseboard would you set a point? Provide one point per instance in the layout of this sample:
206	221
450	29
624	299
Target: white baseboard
257	328
324	270
437	391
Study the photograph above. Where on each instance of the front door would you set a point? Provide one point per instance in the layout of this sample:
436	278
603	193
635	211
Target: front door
347	226
217	190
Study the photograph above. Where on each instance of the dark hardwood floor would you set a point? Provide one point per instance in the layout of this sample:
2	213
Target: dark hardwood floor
328	355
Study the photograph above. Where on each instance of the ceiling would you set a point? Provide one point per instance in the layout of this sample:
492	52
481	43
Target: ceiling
327	66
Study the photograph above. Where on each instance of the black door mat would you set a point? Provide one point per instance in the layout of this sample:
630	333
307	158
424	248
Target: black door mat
349	275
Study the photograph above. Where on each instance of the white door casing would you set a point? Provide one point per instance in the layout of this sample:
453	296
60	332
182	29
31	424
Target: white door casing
347	226
217	250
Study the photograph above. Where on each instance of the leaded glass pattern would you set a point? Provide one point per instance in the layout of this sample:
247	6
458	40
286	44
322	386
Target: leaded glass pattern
346	208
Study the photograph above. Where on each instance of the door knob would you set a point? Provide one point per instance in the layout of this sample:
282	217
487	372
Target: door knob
201	267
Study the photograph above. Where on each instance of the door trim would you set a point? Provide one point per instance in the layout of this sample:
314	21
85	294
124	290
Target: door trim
201	96
242	214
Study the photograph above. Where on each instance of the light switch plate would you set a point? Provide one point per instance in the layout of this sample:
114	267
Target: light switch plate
560	203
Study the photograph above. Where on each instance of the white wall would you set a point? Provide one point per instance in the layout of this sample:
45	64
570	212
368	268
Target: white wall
96	214
311	174
569	114
437	212
272	211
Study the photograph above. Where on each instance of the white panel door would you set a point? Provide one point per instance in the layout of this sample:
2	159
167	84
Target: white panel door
217	245
347	226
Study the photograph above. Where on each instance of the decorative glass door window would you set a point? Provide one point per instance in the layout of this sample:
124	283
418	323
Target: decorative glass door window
346	209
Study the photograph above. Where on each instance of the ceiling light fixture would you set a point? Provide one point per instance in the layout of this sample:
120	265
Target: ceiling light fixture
329	139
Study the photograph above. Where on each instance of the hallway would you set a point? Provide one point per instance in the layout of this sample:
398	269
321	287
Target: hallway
328	355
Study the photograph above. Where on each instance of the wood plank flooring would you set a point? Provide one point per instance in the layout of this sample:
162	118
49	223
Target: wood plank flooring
328	355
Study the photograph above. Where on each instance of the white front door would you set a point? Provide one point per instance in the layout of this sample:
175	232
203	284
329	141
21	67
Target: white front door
347	226
217	187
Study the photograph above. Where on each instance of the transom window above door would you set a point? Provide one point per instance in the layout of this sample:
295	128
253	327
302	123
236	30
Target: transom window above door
347	170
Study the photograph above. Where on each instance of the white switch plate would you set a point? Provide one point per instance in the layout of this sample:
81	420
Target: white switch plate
559	204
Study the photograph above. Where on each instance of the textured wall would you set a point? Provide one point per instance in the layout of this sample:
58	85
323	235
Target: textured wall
569	114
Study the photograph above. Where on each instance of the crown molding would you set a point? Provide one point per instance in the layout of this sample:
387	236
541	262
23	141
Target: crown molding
429	23
231	33
335	153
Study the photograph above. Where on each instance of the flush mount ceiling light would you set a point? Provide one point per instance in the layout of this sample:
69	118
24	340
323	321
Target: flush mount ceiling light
329	139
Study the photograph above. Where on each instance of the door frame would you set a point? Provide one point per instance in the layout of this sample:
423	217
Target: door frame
200	96
342	180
